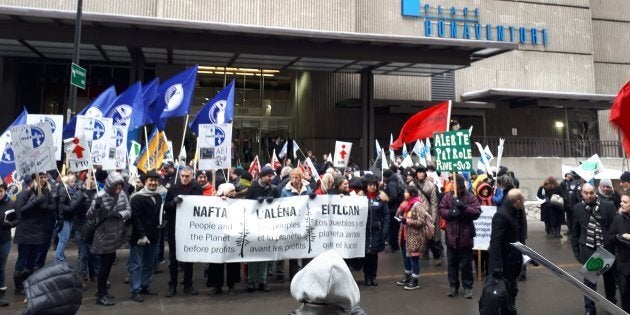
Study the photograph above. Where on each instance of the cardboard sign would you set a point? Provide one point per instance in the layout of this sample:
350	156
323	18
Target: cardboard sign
342	153
56	126
215	144
33	148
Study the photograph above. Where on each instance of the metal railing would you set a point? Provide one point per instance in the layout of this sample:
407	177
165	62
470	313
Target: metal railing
517	147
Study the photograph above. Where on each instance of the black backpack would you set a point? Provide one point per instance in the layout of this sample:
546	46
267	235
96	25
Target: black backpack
494	298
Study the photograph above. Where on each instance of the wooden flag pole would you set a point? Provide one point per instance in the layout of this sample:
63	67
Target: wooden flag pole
146	144
214	182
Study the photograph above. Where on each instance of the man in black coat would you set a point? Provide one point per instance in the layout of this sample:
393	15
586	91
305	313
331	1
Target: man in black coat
34	206
184	187
261	190
620	236
393	186
508	227
145	213
592	219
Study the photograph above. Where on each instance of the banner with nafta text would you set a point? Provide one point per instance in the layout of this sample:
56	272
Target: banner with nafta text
213	230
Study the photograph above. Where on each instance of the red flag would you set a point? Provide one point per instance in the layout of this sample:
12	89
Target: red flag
301	167
620	115
275	163
424	124
254	168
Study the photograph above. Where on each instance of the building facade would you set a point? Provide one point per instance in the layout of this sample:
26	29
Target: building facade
540	73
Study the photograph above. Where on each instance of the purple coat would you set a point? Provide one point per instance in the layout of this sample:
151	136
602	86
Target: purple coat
459	231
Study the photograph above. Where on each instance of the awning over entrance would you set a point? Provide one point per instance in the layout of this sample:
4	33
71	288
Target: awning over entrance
48	34
540	98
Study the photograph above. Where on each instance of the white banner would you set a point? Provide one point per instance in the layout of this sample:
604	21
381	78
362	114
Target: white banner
78	154
56	126
98	132
213	230
33	148
215	143
483	228
342	153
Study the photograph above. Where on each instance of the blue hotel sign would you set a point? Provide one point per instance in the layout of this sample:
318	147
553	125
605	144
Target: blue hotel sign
465	24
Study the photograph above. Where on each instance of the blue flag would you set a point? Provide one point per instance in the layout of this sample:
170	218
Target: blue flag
154	108
126	105
176	94
218	110
7	161
102	104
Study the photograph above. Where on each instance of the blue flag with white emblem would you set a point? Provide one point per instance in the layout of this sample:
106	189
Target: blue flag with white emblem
218	110
102	104
7	161
176	94
127	107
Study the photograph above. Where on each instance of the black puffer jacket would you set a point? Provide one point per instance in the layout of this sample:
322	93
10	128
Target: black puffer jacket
9	223
34	213
53	290
70	199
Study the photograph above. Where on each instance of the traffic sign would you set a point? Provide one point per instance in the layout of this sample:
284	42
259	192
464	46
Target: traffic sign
77	76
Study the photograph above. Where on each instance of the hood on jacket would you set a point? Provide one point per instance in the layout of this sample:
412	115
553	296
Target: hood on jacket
326	280
112	179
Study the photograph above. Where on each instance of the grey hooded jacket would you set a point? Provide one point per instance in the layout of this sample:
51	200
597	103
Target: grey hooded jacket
109	234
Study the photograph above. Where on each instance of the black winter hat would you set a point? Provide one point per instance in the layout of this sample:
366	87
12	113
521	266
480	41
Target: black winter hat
266	170
388	173
625	177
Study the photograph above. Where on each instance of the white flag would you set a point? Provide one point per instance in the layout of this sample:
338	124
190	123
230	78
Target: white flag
384	165
427	148
283	151
404	151
378	148
407	162
329	159
296	147
342	153
308	163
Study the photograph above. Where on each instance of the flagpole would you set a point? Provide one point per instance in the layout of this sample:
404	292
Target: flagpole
146	143
64	184
214	181
448	116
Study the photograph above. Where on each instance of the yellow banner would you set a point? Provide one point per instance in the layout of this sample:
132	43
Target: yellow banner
152	155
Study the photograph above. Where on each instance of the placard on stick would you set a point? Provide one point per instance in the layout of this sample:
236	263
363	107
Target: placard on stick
452	151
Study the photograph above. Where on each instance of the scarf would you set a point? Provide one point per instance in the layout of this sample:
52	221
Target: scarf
594	234
373	195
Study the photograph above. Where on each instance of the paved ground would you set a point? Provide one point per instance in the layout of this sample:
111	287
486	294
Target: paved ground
542	293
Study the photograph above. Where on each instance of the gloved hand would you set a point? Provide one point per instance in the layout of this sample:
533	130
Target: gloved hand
114	215
143	241
454	213
312	195
260	199
534	263
459	204
98	203
497	273
58	225
403	221
269	199
177	200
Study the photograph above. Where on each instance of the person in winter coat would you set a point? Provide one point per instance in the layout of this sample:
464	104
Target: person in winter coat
297	186
33	205
326	287
217	272
414	216
505	260
87	262
606	191
55	289
460	211
8	220
202	180
620	238
70	199
375	229
592	219
145	215
550	213
326	184
185	187
261	190
394	187
427	191
107	215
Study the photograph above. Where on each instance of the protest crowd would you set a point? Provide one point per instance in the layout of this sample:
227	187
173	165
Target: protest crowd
418	207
